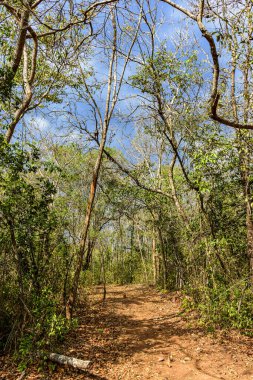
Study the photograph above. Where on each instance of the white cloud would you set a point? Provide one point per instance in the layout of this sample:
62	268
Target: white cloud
39	123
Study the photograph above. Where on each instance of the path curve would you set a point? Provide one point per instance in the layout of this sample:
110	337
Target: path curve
140	334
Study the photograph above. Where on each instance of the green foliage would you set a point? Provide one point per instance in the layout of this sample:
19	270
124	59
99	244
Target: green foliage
31	310
49	326
127	270
6	83
26	346
223	307
166	74
188	223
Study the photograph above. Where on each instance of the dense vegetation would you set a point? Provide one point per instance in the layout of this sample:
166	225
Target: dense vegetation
125	157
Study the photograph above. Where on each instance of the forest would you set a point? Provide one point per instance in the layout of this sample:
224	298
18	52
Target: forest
125	159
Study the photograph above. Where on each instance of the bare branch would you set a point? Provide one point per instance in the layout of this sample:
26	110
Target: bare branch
20	43
26	100
215	96
85	19
180	8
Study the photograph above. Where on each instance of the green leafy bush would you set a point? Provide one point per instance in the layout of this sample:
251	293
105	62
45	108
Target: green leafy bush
223	307
31	279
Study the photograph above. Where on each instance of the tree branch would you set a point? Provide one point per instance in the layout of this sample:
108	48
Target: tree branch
214	97
182	9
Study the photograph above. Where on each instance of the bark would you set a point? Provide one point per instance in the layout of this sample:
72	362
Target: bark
155	260
244	149
142	257
163	257
67	360
104	276
20	43
93	187
174	193
215	95
28	79
249	226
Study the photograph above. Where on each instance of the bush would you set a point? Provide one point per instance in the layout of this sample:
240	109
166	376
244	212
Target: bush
224	307
31	278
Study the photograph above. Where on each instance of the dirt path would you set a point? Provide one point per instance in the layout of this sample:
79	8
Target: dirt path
142	336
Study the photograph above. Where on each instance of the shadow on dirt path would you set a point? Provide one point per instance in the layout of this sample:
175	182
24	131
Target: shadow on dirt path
139	334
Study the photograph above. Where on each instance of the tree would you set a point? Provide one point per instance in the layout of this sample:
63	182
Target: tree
40	44
198	16
31	243
102	122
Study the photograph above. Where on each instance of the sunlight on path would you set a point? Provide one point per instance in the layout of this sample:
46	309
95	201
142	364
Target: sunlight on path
159	344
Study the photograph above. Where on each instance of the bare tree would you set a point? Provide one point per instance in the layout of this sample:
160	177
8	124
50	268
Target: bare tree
114	84
199	17
35	36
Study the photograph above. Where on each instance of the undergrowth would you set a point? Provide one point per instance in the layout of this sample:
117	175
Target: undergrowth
222	306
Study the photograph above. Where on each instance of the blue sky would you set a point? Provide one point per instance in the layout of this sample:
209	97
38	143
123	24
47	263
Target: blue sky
46	123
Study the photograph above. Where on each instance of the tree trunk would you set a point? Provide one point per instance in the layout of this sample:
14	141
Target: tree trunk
67	360
142	257
249	226
104	275
177	203
73	292
163	257
109	106
155	260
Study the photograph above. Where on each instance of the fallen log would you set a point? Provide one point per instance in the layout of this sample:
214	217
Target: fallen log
74	362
